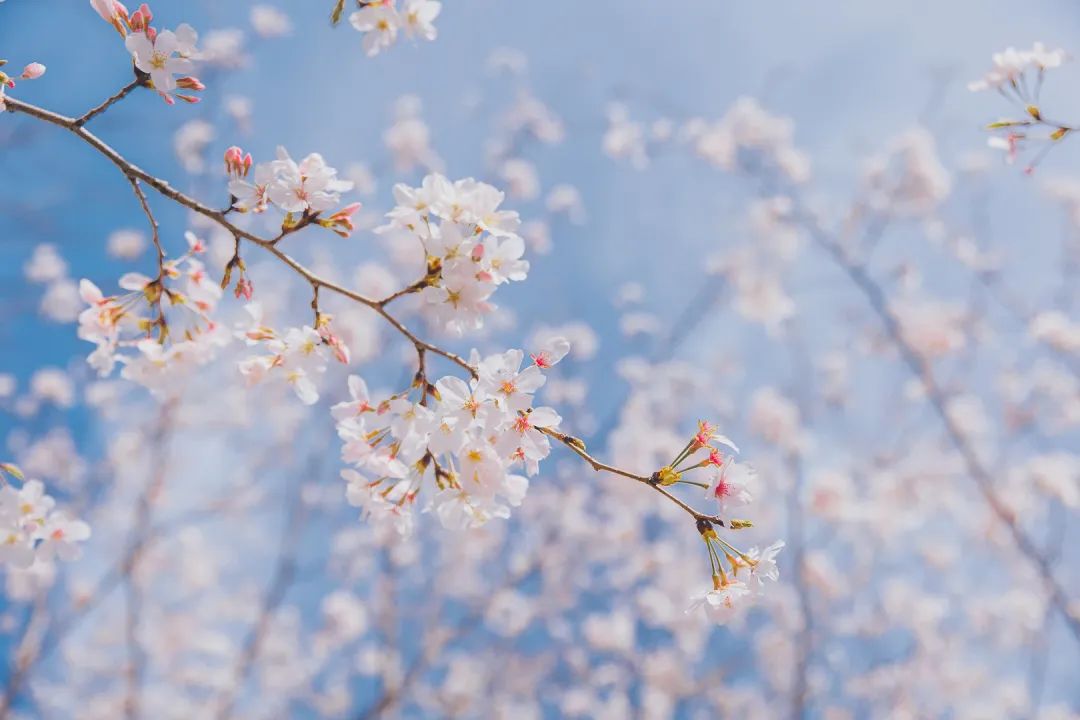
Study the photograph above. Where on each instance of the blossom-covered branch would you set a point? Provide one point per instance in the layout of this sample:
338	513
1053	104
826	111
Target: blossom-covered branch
452	446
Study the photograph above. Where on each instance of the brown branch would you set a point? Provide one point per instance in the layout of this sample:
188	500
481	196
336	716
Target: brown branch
578	447
155	230
282	580
134	172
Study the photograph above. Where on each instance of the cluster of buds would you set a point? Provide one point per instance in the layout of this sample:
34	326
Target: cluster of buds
31	72
116	14
237	163
244	287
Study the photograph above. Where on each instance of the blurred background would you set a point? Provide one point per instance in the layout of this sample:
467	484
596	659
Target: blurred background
784	218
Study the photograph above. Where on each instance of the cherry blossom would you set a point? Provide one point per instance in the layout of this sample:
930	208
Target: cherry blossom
722	603
381	20
32	531
161	55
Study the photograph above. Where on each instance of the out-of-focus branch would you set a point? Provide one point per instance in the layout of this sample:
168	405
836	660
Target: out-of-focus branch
938	400
797	540
36	646
430	651
282	580
140	535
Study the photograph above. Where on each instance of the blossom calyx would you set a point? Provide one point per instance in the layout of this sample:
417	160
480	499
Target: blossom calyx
666	475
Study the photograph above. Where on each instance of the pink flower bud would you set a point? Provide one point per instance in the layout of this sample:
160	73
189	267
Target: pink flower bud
339	348
341	221
189	83
33	71
244	288
112	12
104	8
234	161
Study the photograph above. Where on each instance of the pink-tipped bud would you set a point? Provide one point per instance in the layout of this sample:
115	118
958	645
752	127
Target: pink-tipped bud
112	12
341	222
189	99
339	348
33	71
189	83
140	20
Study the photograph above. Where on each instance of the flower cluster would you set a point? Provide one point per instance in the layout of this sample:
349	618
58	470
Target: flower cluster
380	21
468	450
31	529
729	594
471	246
31	72
729	488
1018	75
1011	65
158	55
303	190
177	304
749	136
298	355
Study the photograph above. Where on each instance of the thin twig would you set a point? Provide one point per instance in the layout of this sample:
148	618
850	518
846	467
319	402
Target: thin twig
578	447
91	114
